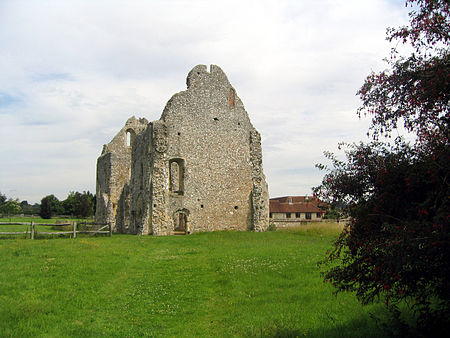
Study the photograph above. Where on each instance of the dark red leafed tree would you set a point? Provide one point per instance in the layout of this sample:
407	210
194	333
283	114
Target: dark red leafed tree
397	195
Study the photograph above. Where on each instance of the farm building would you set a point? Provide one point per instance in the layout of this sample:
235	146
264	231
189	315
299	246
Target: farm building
289	210
197	168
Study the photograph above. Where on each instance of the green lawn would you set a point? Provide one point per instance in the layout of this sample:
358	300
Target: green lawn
210	284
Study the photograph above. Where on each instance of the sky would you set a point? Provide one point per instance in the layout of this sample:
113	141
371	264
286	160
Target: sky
72	73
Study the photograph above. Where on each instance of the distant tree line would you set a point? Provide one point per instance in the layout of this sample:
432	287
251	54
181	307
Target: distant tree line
76	204
9	206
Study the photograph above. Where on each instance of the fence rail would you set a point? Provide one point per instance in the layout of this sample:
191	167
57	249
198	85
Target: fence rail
33	232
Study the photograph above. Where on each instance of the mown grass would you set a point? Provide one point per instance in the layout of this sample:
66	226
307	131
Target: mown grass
224	284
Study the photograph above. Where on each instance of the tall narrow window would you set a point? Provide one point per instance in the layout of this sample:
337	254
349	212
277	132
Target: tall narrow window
130	137
176	176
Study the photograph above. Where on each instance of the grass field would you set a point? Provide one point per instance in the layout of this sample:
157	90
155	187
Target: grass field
42	220
43	228
223	284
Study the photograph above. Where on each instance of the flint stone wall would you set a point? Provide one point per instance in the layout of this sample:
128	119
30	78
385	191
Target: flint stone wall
200	165
113	173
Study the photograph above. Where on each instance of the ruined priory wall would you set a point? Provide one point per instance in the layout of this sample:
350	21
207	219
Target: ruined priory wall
260	191
104	163
159	189
113	173
140	183
198	168
122	218
210	133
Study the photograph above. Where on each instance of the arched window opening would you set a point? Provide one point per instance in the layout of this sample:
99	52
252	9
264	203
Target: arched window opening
130	137
176	176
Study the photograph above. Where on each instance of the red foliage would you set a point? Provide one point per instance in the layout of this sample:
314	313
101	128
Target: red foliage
397	195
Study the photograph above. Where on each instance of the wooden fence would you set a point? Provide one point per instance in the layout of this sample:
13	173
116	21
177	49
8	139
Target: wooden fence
33	232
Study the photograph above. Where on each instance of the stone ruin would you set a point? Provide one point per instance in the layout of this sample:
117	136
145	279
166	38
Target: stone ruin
197	168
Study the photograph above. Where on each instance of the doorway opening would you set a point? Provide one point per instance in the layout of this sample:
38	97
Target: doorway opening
180	223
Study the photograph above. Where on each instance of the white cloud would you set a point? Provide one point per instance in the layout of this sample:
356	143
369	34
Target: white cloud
72	72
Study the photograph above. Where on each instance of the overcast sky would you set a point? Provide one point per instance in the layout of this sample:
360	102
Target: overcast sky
72	72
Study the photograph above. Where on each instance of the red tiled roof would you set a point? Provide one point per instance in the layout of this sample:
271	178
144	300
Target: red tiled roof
301	200
295	199
276	206
298	199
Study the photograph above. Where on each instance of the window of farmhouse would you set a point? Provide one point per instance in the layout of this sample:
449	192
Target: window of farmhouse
318	215
288	215
308	215
270	215
297	215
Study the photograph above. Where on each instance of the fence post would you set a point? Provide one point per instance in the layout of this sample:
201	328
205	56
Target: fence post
32	230
74	229
110	229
